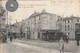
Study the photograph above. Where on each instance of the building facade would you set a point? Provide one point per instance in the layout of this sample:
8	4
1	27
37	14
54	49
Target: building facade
68	26
18	28
39	22
3	19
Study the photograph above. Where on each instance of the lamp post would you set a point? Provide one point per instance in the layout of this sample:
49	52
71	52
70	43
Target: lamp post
7	24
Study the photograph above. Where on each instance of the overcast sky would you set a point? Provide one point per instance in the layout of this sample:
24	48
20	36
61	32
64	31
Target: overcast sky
59	7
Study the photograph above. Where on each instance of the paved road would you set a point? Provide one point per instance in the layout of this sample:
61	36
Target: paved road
16	47
70	47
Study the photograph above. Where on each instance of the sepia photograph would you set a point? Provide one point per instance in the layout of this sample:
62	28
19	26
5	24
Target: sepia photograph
39	26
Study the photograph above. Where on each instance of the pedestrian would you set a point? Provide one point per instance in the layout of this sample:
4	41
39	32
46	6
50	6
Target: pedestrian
4	37
61	44
11	38
67	39
9	34
77	41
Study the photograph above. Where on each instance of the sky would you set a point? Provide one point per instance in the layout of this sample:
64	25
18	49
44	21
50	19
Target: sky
59	7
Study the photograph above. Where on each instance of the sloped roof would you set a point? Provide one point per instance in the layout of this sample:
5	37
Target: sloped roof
68	18
34	14
38	14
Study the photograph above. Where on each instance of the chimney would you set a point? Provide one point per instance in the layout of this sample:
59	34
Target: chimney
35	11
16	21
43	11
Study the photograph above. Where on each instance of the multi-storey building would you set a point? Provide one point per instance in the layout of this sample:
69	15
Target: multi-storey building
3	18
68	26
18	28
14	29
39	22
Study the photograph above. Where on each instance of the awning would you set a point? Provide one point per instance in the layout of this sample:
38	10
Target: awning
50	30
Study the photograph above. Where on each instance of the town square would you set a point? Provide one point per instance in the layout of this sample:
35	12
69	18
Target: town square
47	26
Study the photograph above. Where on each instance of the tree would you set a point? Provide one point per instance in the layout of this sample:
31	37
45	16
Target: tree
1	11
21	31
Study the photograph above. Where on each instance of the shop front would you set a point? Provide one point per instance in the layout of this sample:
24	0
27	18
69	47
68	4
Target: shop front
50	35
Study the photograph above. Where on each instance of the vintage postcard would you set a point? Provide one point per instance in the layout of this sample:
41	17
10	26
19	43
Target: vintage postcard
39	26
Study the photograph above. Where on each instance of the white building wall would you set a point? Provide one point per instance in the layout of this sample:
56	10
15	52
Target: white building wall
48	21
41	22
72	27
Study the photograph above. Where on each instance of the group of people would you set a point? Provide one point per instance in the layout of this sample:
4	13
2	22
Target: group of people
10	36
3	37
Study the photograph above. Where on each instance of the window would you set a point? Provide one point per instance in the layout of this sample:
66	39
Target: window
33	33
68	33
65	33
65	22
35	24
68	21
38	35
72	20
39	18
0	25
68	27
65	27
56	24
77	20
79	26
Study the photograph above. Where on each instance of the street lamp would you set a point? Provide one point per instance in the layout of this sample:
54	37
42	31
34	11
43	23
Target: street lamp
7	23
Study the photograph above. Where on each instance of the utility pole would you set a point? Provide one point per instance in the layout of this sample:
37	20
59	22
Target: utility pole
7	24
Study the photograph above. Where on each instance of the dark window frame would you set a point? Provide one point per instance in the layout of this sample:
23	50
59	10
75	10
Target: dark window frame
65	22
68	27
65	27
68	33
77	20
68	21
